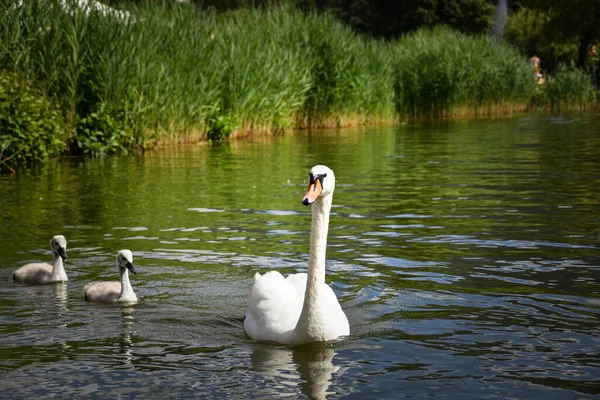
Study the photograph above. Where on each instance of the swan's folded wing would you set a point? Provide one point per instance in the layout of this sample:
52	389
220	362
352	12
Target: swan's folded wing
102	291
34	273
275	306
330	306
298	282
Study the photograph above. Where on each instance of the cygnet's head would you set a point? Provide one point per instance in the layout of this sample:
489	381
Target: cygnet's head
58	244
321	182
125	260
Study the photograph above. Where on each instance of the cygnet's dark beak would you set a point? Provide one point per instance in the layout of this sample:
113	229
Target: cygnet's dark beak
62	253
130	267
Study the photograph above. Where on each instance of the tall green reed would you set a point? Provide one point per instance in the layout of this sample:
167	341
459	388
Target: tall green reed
440	72
568	89
175	72
176	68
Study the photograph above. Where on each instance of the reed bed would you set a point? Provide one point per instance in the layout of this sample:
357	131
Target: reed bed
567	89
172	72
441	72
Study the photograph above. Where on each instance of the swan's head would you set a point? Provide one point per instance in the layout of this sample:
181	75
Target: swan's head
321	182
58	244
125	260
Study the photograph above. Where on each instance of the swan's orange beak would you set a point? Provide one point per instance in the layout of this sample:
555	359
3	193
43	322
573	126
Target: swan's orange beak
314	190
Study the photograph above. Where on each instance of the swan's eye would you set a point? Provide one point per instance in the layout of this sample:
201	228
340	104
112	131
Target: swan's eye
313	178
319	178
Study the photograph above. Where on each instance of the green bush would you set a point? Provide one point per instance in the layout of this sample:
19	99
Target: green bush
219	126
568	87
100	133
31	126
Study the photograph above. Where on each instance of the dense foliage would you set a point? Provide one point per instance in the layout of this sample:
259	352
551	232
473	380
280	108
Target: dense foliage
567	88
441	72
393	18
113	81
30	124
558	31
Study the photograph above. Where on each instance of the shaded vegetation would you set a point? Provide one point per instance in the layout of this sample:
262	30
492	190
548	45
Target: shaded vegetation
559	32
568	88
392	18
30	124
561	24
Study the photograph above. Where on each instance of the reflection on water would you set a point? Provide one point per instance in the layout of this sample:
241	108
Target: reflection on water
309	366
465	255
126	333
316	368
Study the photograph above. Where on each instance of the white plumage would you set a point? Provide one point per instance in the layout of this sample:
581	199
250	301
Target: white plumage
301	308
113	292
41	273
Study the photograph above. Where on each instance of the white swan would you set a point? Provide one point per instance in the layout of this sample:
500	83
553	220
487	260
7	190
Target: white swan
113	292
40	273
300	308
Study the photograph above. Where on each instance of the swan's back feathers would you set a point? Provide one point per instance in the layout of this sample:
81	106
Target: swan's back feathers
105	292
275	306
34	273
272	285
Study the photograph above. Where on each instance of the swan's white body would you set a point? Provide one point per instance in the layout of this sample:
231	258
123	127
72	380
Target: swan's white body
114	292
41	273
300	308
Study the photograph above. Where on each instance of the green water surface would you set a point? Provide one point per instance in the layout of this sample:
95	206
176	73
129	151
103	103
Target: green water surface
465	254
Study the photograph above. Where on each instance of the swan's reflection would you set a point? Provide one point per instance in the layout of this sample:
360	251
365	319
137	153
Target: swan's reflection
310	366
60	294
127	331
42	294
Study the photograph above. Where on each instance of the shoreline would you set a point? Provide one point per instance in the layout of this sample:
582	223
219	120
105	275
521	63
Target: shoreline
463	113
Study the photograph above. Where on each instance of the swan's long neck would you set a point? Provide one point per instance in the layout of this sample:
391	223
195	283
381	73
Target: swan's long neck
311	323
318	245
127	293
58	269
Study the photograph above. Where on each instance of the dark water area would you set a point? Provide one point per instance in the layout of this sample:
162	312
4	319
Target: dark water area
466	255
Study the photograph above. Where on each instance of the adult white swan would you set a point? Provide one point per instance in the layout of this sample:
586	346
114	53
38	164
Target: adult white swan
41	273
300	308
113	292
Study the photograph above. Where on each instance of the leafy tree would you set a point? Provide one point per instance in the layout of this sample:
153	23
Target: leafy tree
392	18
380	18
558	30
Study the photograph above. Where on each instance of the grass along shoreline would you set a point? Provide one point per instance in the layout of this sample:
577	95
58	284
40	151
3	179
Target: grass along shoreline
176	73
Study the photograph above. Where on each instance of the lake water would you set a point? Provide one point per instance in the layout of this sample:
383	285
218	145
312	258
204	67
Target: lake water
466	255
